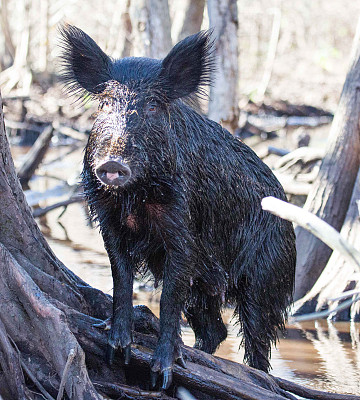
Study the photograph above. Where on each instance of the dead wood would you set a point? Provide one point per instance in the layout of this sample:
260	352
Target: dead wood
330	196
35	155
23	126
291	186
10	364
299	160
41	211
339	275
70	132
311	393
277	151
347	257
285	108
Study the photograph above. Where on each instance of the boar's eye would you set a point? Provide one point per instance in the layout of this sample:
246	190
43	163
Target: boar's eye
105	106
151	108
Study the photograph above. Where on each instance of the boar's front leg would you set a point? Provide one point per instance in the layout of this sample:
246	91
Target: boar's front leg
120	335
176	285
168	349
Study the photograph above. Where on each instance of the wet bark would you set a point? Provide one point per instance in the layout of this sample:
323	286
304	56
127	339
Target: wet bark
48	341
331	191
224	97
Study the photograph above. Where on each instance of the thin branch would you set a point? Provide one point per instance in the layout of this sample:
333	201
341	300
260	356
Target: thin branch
39	212
345	295
313	224
125	391
323	314
36	382
65	374
35	155
269	63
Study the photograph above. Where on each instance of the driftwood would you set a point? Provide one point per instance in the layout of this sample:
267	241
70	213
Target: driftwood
296	170
35	155
271	123
284	108
299	159
70	132
291	186
328	235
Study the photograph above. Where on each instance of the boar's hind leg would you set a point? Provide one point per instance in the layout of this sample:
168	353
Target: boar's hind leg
204	317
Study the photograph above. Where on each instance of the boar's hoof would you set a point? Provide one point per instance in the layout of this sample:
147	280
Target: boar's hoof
110	354
162	362
167	378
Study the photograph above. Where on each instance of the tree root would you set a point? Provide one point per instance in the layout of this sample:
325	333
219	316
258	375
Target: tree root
36	318
10	364
54	337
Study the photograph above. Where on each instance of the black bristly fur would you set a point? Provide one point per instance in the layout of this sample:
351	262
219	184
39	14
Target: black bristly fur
190	213
178	76
85	67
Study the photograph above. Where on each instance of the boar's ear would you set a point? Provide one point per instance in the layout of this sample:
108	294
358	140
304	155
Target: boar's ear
84	66
186	70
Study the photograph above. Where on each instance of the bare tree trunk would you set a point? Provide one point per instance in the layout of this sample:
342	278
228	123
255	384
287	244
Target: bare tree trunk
193	17
44	34
29	273
6	28
339	274
331	191
119	38
151	32
224	98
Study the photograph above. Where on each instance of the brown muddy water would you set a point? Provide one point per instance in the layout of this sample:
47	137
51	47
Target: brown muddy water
321	355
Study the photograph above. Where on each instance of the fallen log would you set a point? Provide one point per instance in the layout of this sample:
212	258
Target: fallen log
35	155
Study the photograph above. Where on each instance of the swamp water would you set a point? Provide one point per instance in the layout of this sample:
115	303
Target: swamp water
321	355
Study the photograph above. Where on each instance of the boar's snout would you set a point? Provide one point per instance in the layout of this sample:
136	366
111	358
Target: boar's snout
113	172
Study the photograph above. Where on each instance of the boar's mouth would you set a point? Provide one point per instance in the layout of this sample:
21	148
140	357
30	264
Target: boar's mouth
114	172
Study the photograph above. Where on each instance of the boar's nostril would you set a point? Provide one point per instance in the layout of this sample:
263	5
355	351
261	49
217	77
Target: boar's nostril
113	172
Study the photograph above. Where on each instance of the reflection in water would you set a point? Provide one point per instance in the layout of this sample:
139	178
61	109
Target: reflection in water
339	354
322	355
